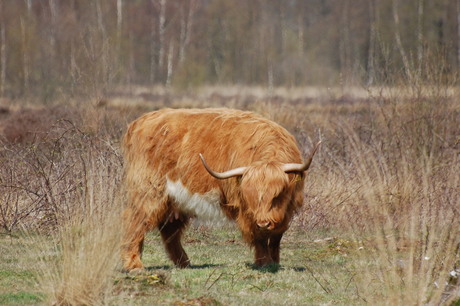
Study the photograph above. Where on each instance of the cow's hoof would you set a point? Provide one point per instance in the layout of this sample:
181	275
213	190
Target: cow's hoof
183	264
134	263
268	267
136	271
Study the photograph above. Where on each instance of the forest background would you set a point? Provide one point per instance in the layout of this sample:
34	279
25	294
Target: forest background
52	47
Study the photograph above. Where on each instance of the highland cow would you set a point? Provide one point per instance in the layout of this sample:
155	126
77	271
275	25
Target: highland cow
210	164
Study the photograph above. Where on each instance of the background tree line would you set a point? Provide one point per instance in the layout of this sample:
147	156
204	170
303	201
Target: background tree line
53	46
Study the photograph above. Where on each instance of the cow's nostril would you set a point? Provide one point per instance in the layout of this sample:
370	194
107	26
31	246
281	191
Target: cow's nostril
263	224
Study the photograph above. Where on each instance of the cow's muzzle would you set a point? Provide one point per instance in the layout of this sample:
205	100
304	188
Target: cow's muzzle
265	225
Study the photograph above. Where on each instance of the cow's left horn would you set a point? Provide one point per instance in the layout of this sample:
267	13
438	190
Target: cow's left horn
223	175
301	167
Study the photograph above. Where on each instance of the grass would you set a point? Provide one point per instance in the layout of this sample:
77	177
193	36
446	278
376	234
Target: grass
222	273
20	298
18	281
222	269
379	224
78	266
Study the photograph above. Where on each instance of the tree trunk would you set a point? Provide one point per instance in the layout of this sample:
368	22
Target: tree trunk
119	17
399	45
25	55
52	69
73	65
119	25
152	55
283	25
52	38
170	63
300	32
186	28
458	34
344	42
371	51
2	51
271	79
161	32
420	37
104	61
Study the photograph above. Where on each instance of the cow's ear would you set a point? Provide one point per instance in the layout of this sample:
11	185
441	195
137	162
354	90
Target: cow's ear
297	177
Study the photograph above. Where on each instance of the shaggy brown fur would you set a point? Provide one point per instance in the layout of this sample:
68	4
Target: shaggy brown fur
164	146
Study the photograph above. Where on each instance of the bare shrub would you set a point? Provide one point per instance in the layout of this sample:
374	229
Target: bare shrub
39	179
66	182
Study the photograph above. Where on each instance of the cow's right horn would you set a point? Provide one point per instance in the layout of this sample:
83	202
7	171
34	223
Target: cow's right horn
223	175
301	167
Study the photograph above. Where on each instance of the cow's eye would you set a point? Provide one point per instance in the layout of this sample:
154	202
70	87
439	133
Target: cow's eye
278	200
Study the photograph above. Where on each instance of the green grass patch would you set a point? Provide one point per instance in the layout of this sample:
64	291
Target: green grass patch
20	298
17	279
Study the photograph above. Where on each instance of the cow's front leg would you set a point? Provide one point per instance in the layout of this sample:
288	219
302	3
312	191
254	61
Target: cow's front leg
274	246
171	232
262	252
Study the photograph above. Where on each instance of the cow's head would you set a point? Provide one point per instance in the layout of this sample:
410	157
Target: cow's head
267	188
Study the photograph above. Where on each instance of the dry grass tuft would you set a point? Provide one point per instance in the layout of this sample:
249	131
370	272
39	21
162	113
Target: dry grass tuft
79	268
86	246
406	219
390	177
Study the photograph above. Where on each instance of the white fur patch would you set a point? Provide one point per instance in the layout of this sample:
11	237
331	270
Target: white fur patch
206	207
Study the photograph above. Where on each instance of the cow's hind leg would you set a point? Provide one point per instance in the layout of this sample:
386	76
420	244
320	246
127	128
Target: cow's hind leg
137	221
133	241
171	231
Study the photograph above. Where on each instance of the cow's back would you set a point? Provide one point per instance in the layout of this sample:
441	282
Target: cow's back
167	143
